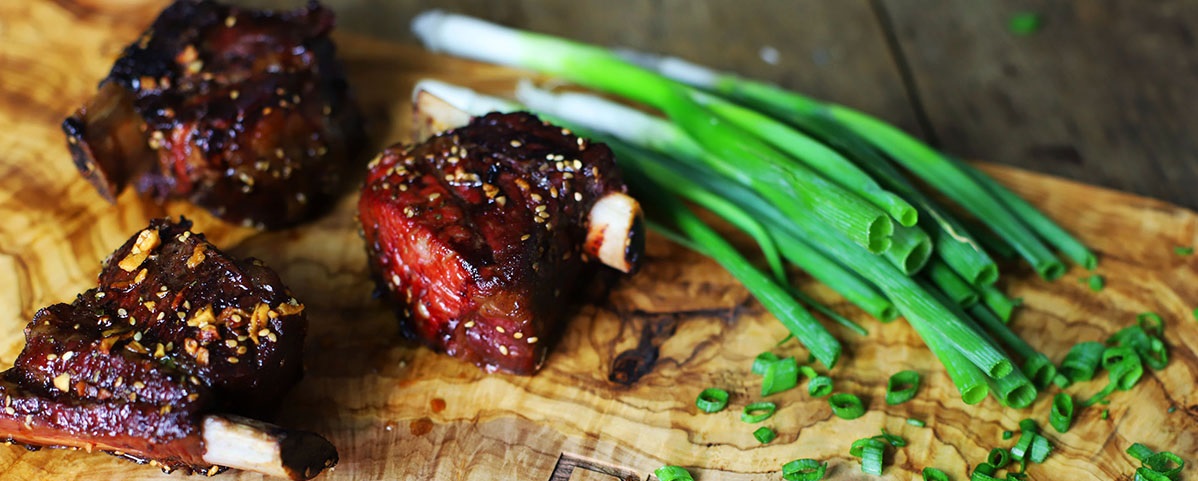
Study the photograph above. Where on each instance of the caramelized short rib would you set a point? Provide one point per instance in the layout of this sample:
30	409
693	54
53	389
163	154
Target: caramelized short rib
478	235
160	360
245	113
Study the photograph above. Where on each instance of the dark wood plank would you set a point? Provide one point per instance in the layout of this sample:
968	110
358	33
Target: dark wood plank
833	50
1101	93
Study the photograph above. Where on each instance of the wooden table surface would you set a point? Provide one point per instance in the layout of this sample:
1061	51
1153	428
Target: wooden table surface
1100	93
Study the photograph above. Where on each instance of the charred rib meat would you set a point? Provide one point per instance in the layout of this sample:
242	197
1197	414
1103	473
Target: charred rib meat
242	112
482	235
161	360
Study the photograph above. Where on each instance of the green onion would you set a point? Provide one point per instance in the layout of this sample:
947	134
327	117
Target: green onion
829	313
1024	23
758	412
1029	425
1123	365
672	473
1100	396
1166	463
1061	416
1151	323
764	435
1171	409
1036	366
1040	449
1017	476
1183	251
1014	390
956	288
1082	361
1024	445
901	387
780	375
1007	434
804	470
910	249
846	406
998	302
1096	282
916	422
1196	313
819	386
871	458
1140	452
762	361
1147	474
814	154
712	400
797	320
999	458
933	474
983	472
1106	414
808	372
891	439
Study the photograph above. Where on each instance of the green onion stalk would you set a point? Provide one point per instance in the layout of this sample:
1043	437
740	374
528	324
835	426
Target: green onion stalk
786	183
932	166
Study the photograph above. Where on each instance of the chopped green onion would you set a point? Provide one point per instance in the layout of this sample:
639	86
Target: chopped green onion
1140	452
910	249
1196	313
780	375
1151	323
1023	445
892	439
846	406
764	435
1123	365
1183	251
1106	414
758	412
1171	409
672	473
999	458
985	468
1024	23
1145	473
901	387
1101	396
804	470
916	422
933	474
1082	361
1166	463
808	372
1040	449
819	386
1061	416
1096	282
1017	476
762	361
1028	425
1007	434
871	458
712	400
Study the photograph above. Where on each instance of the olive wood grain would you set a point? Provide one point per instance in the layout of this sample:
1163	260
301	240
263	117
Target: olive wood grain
617	394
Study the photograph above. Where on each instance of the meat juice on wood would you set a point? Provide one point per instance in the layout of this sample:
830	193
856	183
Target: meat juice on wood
478	235
245	113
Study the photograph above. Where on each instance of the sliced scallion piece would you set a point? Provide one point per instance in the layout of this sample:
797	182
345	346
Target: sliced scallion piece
712	400
819	386
1061	417
672	473
1140	452
1096	282
804	470
780	375
1040	449
1151	322
1145	473
758	412
1082	361
933	474
1123	365
916	422
1183	250
762	361
901	387
1166	463
999	458
764	435
871	458
1106	414
846	406
1007	435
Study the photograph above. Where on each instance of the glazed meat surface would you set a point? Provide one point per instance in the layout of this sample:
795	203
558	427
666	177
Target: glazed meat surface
245	113
477	235
175	333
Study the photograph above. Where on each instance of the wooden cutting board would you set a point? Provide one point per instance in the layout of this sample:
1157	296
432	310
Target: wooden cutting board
617	394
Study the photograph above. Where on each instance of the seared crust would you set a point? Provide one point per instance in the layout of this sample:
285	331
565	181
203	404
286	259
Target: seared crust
245	113
477	235
175	331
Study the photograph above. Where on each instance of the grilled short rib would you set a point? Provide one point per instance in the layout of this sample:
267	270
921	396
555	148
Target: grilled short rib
483	235
245	113
160	360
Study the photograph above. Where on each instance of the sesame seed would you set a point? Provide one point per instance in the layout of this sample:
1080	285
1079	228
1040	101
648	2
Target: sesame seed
578	196
532	340
234	94
503	349
68	355
122	312
525	237
232	360
230	21
468	324
51	357
230	343
516	143
500	329
518	335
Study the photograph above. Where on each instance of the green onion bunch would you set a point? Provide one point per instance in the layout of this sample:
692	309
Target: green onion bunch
824	188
